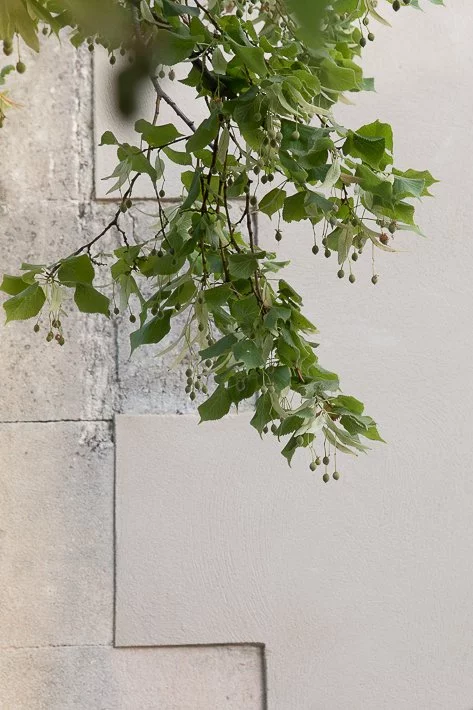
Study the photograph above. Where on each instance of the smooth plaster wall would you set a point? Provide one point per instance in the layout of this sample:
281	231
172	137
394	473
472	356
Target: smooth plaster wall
403	346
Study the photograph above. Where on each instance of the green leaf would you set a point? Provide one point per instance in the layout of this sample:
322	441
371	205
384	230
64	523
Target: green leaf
219	62
152	332
89	300
77	269
108	139
251	57
13	285
346	402
242	266
272	201
194	190
294	208
157	136
216	406
345	240
337	78
369	149
172	9
26	304
245	310
177	156
418	175
222	346
137	160
172	48
204	135
275	314
264	412
245	351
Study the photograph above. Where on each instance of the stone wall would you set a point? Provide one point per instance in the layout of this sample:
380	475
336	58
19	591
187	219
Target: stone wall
56	442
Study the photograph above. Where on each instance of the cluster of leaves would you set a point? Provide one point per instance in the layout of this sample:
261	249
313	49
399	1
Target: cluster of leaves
269	144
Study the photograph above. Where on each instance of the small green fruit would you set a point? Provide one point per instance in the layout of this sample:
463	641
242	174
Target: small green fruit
392	227
132	318
278	236
192	396
318	461
366	21
188	372
327	253
354	256
374	279
299	440
326	478
116	310
336	475
36	328
162	74
396	5
362	42
326	460
315	249
265	430
340	274
295	135
371	36
352	278
162	193
21	67
312	465
172	75
49	336
113	60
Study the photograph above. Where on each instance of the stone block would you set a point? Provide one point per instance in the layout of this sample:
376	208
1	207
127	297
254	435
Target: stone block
45	141
41	380
225	678
56	540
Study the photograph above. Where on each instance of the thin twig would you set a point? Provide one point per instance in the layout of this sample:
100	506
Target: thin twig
162	95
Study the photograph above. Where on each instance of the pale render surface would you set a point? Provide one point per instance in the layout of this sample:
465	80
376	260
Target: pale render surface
360	591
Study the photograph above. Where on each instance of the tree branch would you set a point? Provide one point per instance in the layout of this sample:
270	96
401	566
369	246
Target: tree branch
165	97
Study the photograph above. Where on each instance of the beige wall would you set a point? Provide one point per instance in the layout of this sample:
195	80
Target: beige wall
404	513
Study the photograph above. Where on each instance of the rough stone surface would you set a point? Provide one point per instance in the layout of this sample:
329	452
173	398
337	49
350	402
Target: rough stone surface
41	380
44	140
130	679
56	542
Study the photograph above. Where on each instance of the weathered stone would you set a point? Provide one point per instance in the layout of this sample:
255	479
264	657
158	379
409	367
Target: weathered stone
43	140
56	500
41	380
225	678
